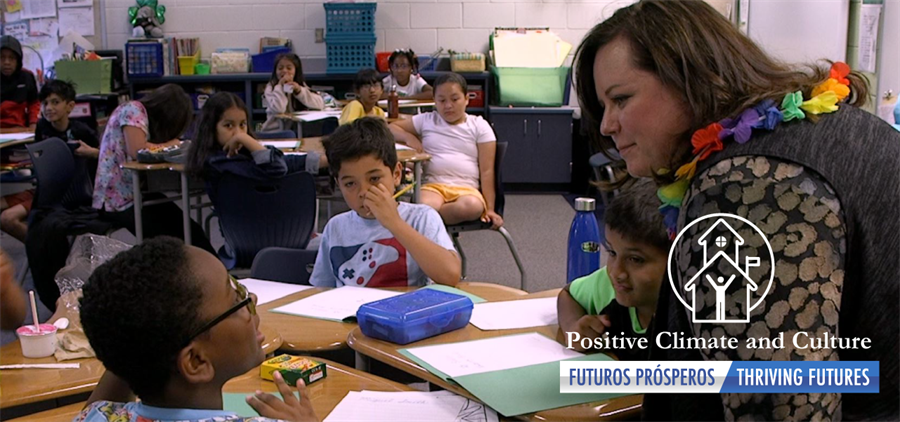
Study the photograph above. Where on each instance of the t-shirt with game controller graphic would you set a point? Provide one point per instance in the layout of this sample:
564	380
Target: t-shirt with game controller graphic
360	252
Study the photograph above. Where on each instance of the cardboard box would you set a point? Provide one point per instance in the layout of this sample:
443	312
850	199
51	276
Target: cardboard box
293	368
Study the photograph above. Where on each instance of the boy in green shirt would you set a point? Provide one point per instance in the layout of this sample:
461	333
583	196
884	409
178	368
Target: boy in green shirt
621	297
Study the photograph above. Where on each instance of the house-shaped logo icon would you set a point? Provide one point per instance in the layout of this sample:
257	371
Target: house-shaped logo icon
720	292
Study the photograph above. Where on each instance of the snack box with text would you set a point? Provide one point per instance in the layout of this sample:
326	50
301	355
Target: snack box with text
293	368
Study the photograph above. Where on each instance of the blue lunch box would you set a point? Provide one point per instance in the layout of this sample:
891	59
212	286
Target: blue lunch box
413	316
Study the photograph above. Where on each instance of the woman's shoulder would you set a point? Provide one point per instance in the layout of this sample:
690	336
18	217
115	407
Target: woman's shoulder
756	183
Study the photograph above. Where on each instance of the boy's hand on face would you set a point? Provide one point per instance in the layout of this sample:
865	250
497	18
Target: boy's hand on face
590	326
379	200
288	408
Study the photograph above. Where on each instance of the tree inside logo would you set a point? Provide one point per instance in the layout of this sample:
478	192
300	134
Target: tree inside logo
721	267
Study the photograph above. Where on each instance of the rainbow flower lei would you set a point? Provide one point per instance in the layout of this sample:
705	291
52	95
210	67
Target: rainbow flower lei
765	115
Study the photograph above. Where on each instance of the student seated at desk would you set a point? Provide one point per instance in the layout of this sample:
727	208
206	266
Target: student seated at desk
621	297
405	76
225	144
19	106
287	92
12	297
172	327
156	120
462	149
368	88
57	101
379	243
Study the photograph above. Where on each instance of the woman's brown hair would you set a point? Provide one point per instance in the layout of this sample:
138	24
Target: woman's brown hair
169	111
702	57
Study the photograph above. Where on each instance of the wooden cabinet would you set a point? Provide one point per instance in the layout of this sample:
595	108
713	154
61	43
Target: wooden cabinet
539	141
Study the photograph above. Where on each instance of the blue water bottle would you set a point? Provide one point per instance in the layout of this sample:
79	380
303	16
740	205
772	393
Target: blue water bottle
584	241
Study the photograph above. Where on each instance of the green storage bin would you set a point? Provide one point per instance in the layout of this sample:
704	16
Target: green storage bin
527	86
88	76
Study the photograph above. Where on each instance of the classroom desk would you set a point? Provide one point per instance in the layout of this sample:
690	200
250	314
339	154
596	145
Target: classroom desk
418	105
16	129
311	335
325	394
136	169
617	408
18	142
23	386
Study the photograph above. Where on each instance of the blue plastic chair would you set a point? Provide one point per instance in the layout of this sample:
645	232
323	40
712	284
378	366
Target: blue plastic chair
255	215
278	134
499	203
62	179
292	266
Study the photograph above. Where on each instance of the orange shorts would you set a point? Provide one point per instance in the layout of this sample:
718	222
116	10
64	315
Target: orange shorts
452	193
24	198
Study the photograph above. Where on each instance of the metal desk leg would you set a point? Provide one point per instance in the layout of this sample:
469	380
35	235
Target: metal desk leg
186	208
198	213
417	169
362	362
138	205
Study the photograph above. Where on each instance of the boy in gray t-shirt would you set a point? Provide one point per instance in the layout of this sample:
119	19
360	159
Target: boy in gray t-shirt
379	243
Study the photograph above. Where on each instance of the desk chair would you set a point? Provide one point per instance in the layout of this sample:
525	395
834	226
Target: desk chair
604	171
62	180
255	215
283	264
456	229
64	188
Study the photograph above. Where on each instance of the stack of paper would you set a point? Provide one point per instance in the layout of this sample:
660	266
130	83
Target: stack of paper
267	291
10	137
335	305
311	116
529	48
439	406
487	368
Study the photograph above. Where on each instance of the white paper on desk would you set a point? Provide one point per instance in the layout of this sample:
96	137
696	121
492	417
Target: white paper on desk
441	406
514	314
475	357
317	115
33	9
281	144
335	304
267	291
402	147
6	137
79	20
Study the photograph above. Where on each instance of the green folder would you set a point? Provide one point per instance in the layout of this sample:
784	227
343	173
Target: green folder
237	403
528	389
516	391
454	290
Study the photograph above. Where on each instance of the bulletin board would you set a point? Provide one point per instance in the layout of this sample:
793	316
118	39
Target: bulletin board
42	24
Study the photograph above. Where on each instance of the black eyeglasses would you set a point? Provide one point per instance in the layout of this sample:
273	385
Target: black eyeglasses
245	300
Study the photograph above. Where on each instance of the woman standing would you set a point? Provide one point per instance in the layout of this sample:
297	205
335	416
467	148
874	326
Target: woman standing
724	128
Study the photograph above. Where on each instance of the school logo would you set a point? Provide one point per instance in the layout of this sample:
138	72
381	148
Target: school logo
732	279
